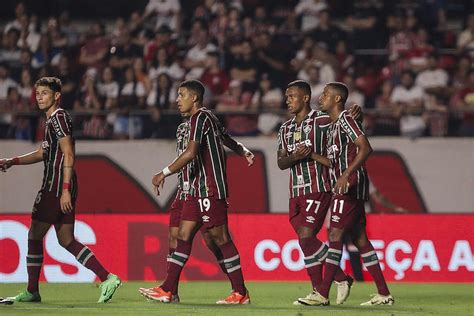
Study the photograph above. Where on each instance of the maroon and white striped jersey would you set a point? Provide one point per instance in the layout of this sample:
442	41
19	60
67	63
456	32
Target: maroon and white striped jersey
58	125
307	175
342	150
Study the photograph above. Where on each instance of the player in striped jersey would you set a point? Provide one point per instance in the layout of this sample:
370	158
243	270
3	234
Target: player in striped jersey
348	148
55	202
301	143
207	205
185	177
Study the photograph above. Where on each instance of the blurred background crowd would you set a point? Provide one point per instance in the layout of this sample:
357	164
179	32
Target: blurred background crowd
408	63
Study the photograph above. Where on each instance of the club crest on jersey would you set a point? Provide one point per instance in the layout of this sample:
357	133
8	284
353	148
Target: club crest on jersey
45	145
307	129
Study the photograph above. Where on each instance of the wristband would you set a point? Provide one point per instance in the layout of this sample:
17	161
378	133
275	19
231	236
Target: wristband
66	186
166	171
16	161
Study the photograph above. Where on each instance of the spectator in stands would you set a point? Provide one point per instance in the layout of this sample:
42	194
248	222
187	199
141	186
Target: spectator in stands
387	118
6	82
236	100
463	102
108	90
131	97
29	37
9	51
433	80
141	74
20	11
162	97
25	89
69	84
409	98
68	29
195	61
465	44
355	96
419	54
364	24
164	12
163	63
317	86
215	78
271	59
123	53
95	49
268	99
310	11
327	32
162	39
244	68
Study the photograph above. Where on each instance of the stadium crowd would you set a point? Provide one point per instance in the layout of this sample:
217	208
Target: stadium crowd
409	64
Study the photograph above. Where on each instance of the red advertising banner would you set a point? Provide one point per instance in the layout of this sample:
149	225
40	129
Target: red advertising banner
413	248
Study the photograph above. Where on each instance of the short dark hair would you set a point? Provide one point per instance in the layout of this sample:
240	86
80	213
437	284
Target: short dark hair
195	86
341	89
301	84
52	82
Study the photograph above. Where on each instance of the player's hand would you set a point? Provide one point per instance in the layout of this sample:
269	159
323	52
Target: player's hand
65	201
342	185
355	111
250	157
157	181
301	152
5	163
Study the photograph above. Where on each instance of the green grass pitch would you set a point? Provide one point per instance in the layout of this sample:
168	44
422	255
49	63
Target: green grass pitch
268	298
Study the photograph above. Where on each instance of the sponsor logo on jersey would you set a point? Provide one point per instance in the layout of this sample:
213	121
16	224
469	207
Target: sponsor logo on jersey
206	218
292	147
45	145
335	218
310	219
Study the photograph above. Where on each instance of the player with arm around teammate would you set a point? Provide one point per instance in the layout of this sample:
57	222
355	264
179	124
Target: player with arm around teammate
347	148
207	203
301	145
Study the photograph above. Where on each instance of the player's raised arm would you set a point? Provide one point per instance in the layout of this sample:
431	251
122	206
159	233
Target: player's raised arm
27	159
363	152
239	149
356	112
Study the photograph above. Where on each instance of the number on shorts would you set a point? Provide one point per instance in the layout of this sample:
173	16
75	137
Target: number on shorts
341	206
38	197
311	203
204	204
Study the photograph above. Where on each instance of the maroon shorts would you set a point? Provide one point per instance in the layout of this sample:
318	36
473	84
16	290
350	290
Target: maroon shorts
210	211
309	210
175	212
47	209
346	212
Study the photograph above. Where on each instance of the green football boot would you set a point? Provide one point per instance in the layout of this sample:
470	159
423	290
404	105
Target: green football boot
108	288
27	297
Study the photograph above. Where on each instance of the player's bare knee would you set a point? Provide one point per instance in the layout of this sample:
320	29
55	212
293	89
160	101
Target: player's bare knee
335	234
65	241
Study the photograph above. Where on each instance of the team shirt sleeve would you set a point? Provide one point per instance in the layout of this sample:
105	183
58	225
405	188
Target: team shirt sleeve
281	138
61	125
198	127
351	127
